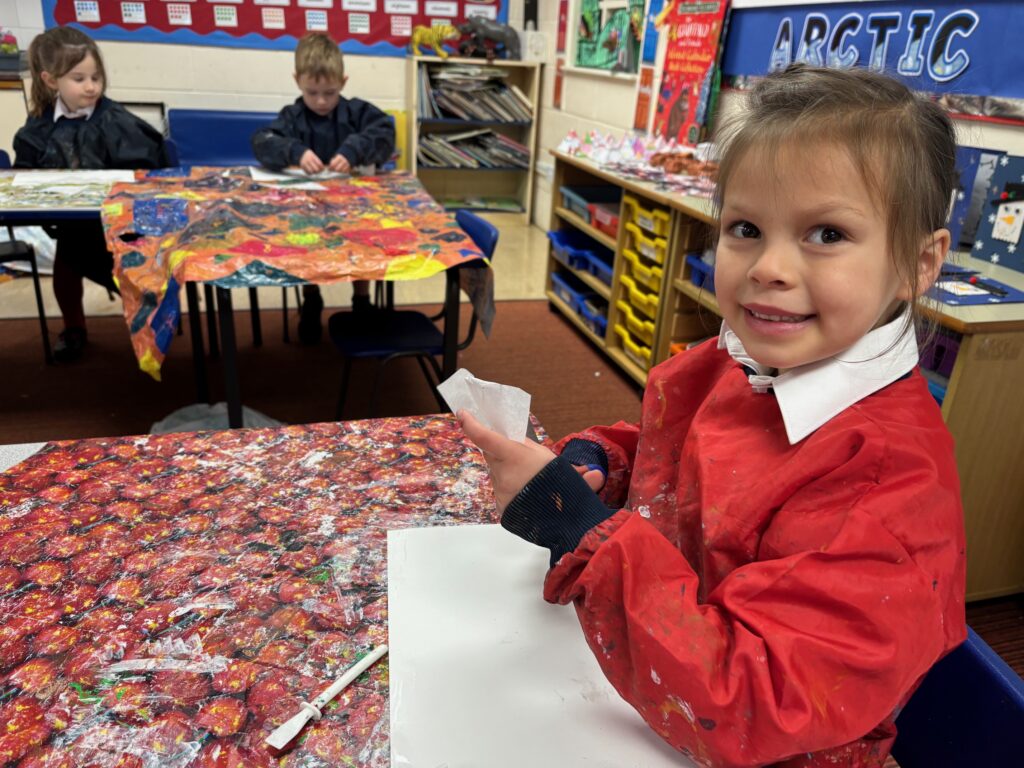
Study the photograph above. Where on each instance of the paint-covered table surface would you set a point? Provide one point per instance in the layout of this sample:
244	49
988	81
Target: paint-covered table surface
169	600
222	227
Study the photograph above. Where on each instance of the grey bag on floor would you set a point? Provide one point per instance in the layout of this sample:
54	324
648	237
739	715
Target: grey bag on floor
193	418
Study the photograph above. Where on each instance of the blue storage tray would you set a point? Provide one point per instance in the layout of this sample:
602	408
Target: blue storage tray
599	264
571	290
578	199
571	248
593	317
701	274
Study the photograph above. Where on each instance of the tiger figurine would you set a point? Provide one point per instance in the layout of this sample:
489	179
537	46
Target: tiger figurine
433	37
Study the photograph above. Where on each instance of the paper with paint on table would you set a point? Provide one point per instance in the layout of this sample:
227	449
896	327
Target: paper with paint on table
500	407
73	178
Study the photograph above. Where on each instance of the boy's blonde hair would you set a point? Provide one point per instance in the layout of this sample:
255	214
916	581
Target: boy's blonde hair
903	145
58	51
319	57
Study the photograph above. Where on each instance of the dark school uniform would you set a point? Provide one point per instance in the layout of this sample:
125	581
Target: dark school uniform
355	129
110	138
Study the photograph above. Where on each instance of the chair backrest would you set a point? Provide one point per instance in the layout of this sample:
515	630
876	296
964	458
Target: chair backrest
481	232
969	711
215	136
5	160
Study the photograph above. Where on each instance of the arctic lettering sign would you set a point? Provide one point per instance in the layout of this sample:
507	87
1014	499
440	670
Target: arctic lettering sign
937	47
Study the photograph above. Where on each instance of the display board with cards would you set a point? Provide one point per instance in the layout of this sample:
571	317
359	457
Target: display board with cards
373	27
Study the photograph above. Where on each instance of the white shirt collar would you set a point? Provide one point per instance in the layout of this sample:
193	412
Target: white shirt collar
811	394
60	110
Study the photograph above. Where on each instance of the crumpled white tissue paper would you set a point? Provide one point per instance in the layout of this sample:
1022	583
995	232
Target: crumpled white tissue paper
500	407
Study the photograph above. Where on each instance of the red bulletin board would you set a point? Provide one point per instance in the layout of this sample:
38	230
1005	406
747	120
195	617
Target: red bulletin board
374	27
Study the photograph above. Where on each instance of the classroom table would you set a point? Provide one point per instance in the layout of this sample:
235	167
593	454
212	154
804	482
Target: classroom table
169	600
46	206
221	227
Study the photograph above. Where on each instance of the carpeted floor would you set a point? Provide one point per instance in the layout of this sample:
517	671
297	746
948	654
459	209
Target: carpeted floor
573	386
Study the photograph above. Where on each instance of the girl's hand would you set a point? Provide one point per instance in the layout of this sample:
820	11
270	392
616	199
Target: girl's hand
512	464
339	164
310	163
594	477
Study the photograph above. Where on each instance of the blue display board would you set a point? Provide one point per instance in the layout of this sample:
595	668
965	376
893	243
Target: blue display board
945	46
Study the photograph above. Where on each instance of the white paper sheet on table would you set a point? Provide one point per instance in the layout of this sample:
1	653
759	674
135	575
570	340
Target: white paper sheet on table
500	407
483	672
71	178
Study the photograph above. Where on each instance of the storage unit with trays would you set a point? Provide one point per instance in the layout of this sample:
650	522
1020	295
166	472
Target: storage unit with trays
644	228
466	164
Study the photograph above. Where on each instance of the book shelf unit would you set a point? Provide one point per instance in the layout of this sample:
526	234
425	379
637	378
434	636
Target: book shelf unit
981	404
507	188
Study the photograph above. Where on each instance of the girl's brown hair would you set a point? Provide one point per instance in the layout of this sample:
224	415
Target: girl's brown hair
58	51
903	145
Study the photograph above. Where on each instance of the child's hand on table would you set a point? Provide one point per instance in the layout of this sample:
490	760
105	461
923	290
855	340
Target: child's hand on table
310	163
512	464
339	164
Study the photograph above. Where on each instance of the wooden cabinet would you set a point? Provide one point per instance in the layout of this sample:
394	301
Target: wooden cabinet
982	402
502	188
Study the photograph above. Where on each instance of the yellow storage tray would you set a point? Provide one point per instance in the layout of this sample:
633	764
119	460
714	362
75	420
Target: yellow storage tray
646	303
636	352
638	326
654	220
648	277
653	248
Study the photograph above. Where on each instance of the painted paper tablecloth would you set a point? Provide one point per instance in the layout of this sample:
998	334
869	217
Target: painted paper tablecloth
221	227
169	600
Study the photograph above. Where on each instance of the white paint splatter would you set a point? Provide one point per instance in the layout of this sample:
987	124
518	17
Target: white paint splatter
313	459
644	511
654	677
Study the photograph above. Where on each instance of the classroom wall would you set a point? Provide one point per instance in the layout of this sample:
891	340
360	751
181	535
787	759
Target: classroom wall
205	77
590	101
237	78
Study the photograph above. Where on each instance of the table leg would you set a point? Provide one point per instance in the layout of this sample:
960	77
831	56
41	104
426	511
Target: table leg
451	323
232	393
211	320
195	316
257	328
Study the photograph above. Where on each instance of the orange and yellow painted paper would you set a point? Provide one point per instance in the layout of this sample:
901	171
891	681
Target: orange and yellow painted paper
219	226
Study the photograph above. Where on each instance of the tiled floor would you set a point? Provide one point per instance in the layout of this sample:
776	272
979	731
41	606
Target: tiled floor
519	266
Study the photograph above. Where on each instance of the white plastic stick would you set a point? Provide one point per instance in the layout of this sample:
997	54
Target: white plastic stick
281	737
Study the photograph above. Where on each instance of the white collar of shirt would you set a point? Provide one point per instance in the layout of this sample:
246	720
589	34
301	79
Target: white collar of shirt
59	111
812	394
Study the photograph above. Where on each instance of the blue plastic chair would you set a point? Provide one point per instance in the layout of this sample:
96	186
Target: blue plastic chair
389	335
968	712
16	250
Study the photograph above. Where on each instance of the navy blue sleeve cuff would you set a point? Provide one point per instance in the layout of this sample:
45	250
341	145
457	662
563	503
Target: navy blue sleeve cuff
585	452
555	509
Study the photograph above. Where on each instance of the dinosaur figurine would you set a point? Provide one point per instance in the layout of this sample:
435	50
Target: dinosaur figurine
433	37
482	29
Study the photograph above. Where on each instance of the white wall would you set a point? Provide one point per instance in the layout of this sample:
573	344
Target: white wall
23	17
590	101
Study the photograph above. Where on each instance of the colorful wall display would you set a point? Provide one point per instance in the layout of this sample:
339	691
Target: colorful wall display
608	37
372	27
938	47
693	29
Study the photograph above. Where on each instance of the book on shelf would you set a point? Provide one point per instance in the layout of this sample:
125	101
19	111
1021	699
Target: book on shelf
471	149
468	92
509	204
